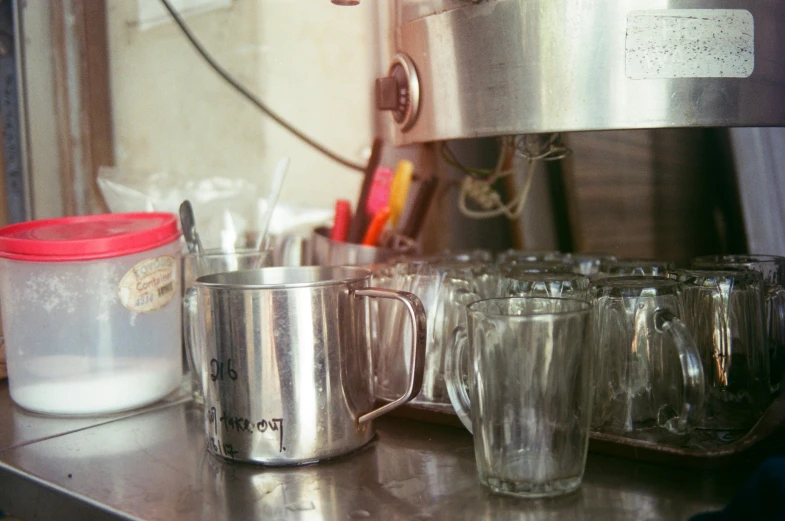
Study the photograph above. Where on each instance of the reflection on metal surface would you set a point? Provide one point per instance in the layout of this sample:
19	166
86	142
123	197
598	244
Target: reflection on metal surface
501	67
20	427
411	471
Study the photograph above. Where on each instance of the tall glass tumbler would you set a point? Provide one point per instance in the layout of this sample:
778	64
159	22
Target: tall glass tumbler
772	267
520	377
650	382
724	311
209	262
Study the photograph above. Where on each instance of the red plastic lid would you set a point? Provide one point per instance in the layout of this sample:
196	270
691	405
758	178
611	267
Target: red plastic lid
87	237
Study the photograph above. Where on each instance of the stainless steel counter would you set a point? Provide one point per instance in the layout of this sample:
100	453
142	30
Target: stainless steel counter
20	427
153	464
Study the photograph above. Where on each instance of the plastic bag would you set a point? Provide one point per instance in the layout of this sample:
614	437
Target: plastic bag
227	210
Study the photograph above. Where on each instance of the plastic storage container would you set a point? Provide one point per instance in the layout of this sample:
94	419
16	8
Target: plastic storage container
91	311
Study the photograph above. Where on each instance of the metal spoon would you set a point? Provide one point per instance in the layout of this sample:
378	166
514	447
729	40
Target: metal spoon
188	222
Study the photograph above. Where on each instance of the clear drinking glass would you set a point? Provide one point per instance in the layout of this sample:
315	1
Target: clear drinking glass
473	255
635	267
209	262
555	266
650	382
772	267
522	256
588	263
558	285
484	278
724	311
520	377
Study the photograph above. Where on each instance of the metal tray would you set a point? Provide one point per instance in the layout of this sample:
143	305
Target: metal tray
704	450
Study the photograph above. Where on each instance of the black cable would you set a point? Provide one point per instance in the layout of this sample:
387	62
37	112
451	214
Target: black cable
249	96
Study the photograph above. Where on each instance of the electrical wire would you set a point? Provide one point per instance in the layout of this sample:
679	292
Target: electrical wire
250	97
478	183
476	173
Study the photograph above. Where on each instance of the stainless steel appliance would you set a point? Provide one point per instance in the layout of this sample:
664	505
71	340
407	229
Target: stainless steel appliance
474	68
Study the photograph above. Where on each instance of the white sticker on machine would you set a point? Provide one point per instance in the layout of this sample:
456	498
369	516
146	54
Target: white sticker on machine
149	285
690	43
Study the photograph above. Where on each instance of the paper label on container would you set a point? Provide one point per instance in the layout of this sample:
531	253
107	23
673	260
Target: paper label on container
690	43
149	285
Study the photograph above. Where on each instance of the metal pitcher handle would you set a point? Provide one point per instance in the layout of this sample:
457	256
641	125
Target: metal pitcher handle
419	328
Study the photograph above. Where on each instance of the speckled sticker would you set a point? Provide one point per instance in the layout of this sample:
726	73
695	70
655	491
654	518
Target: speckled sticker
149	285
690	43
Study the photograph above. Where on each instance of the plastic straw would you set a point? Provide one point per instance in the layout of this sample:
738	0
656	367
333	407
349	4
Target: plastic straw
272	200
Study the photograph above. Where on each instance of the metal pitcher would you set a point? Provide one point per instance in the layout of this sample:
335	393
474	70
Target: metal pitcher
327	252
286	362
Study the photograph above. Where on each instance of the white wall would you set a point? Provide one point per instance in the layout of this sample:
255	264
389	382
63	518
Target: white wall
311	61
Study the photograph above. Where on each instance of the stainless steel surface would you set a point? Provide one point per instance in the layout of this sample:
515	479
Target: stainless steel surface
326	252
501	67
412	471
21	427
286	363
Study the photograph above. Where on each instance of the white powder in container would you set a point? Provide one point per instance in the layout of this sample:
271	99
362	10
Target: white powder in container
97	392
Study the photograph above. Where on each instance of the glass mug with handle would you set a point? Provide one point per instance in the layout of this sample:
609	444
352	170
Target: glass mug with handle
644	267
520	377
650	381
772	267
724	311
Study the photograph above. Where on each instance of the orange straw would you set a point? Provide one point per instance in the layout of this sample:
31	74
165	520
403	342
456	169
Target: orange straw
375	228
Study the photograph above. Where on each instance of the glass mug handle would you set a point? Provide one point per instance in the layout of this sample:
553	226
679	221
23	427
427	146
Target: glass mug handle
418	318
453	375
692	369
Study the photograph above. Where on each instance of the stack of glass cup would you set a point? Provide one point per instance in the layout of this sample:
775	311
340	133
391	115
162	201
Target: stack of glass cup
680	357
